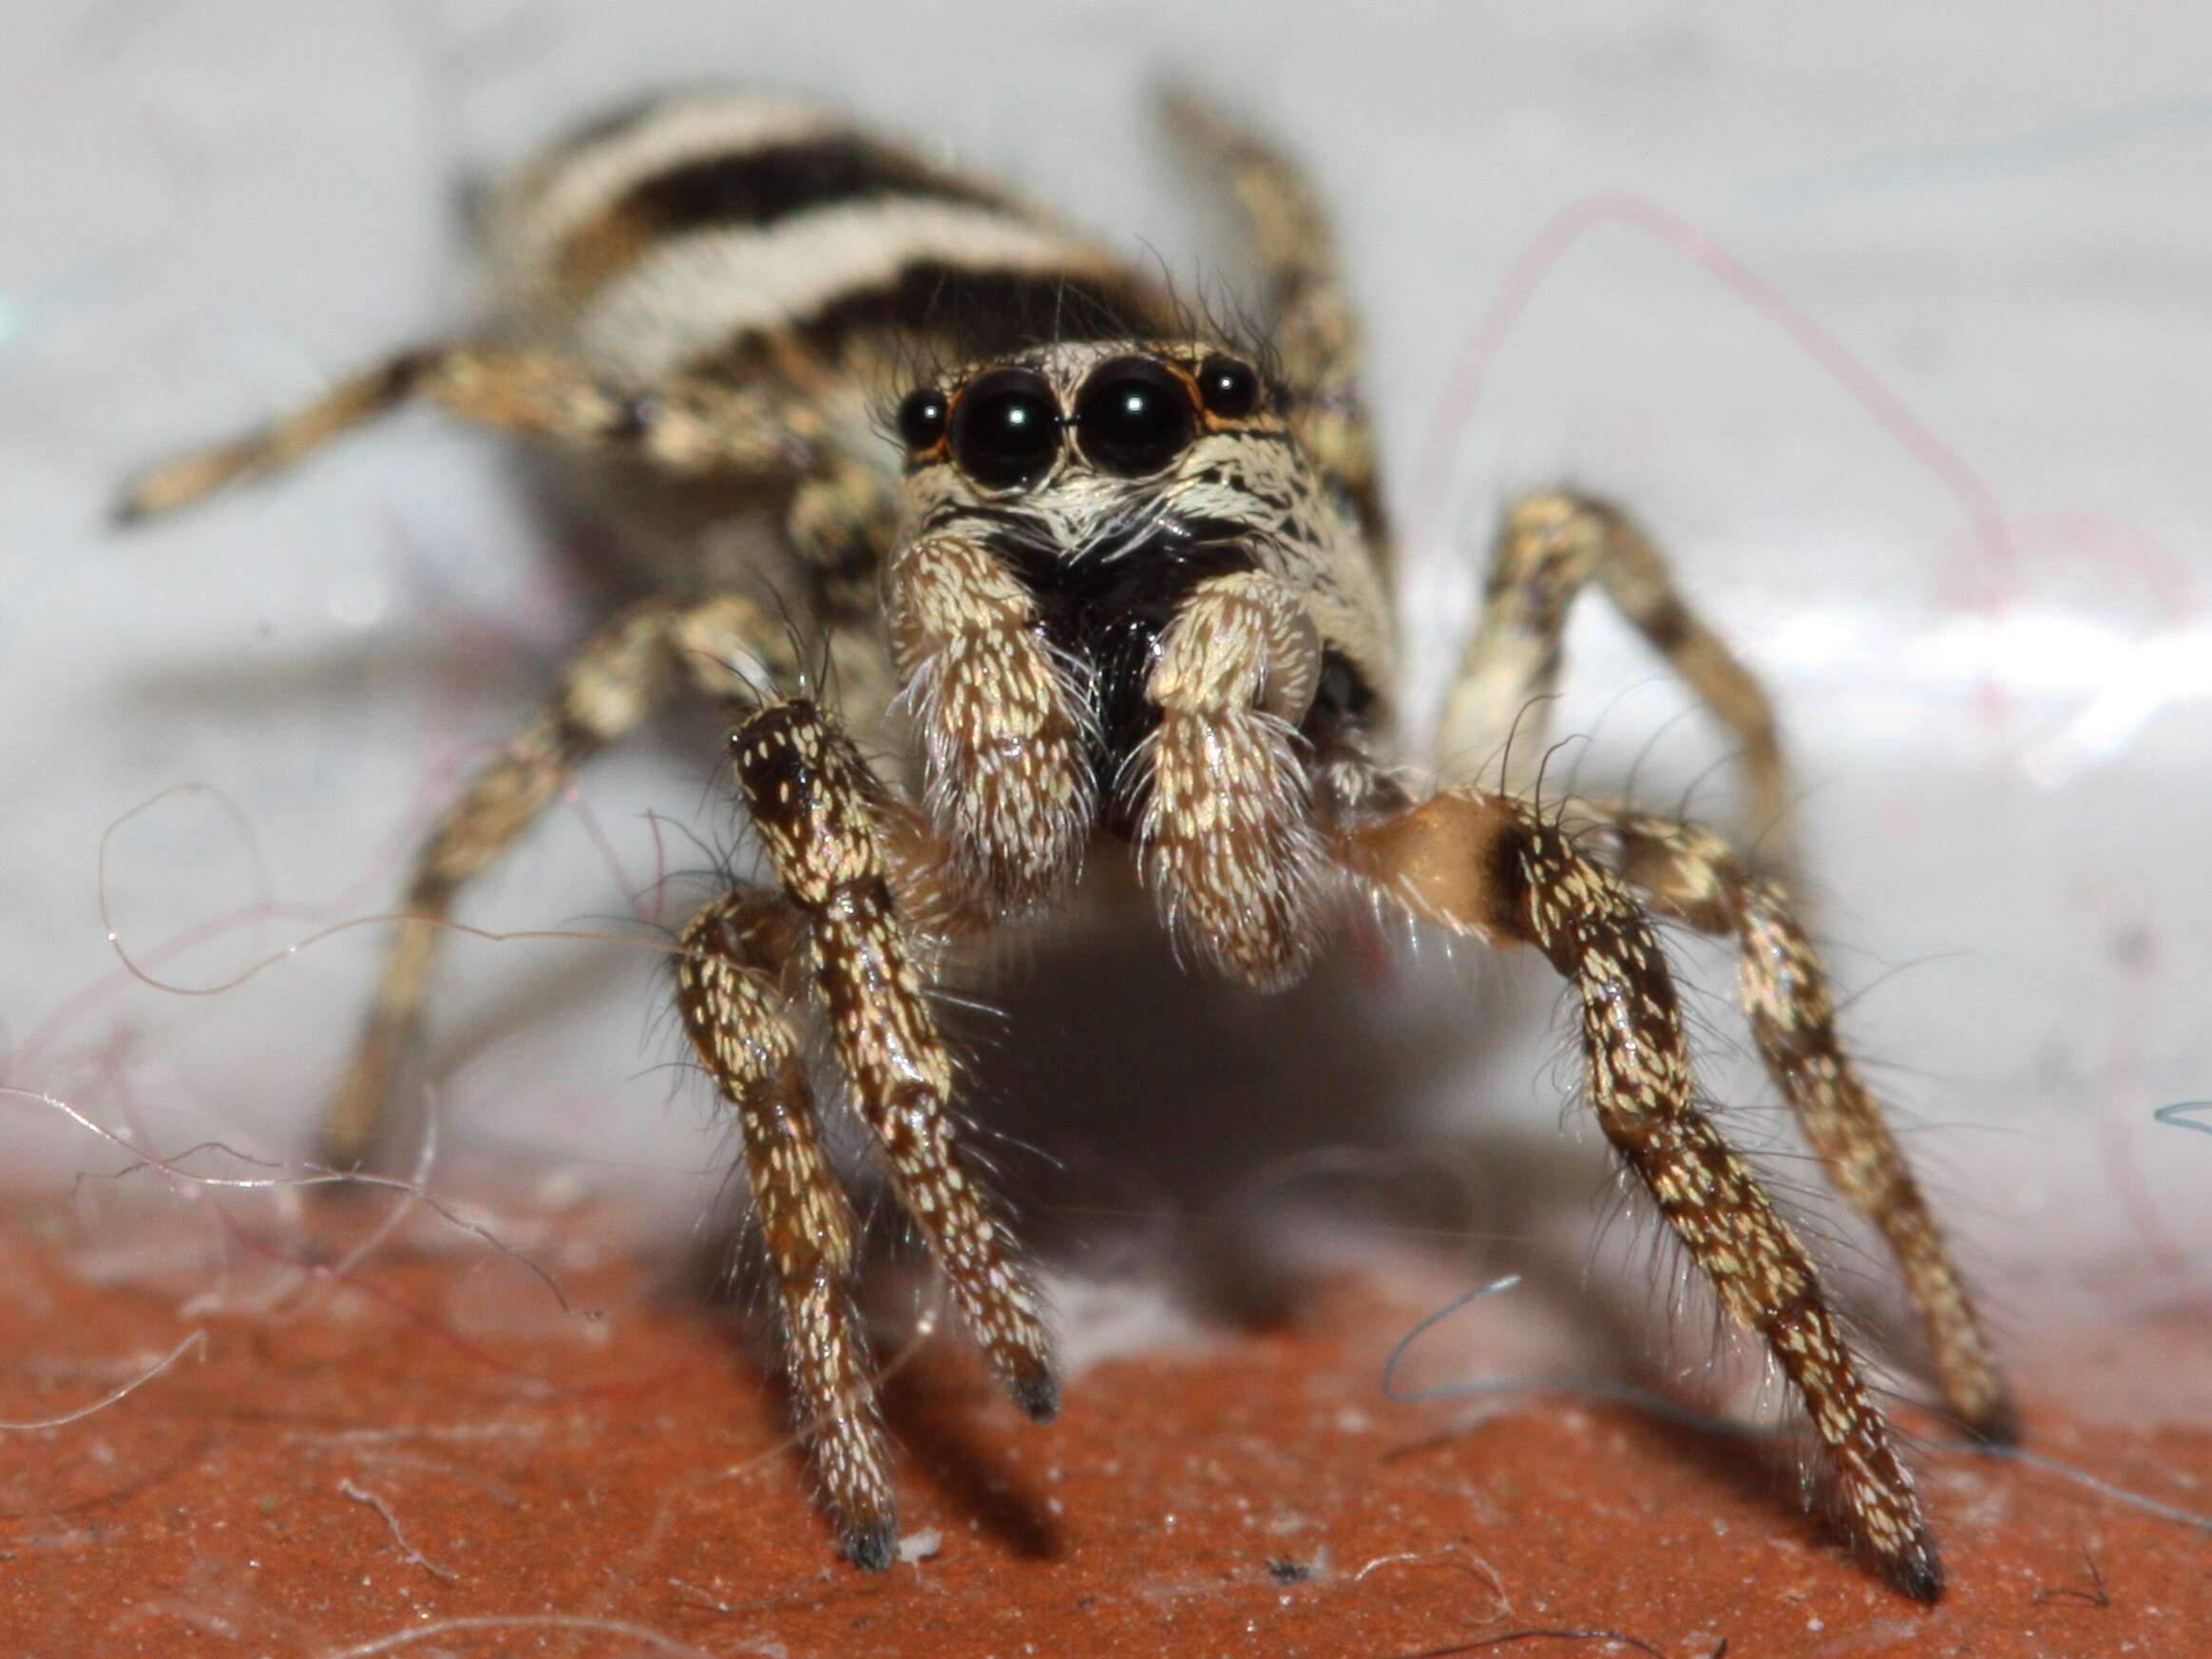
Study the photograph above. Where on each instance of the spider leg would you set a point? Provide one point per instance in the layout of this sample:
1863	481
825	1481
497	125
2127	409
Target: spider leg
1224	830
727	989
726	646
824	824
1493	866
1691	874
686	427
1315	335
1550	547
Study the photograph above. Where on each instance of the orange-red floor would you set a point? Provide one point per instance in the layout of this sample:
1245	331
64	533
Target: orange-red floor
433	1456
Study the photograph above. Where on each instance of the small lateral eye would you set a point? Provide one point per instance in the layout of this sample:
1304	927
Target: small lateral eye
1134	417
1006	429
922	419
1230	389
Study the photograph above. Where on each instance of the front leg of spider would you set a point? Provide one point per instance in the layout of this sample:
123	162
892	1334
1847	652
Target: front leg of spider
729	991
821	819
1492	866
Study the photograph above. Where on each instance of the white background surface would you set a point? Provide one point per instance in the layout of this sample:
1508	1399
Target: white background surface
1941	480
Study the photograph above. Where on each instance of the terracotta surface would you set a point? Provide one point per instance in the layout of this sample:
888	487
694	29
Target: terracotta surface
430	1455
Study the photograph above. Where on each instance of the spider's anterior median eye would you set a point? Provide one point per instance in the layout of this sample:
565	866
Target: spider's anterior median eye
1230	388
1134	417
922	419
1006	429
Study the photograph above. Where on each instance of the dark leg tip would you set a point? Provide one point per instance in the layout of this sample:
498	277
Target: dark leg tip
1037	1393
1997	1426
872	1547
129	511
339	1154
1917	1571
345	1154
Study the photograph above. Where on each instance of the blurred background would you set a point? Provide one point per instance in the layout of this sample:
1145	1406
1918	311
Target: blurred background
1890	324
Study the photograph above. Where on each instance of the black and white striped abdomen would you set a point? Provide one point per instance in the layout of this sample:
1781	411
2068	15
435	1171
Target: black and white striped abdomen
712	231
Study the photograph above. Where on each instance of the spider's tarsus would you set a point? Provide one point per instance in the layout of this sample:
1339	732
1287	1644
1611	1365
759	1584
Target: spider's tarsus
872	1548
165	487
1997	1426
1037	1393
341	1158
1917	1571
130	508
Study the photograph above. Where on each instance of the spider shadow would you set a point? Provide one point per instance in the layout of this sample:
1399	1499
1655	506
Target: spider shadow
1654	1344
1118	1094
936	1432
1119	1098
1106	1060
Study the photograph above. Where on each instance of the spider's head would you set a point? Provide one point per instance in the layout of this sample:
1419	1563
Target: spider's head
1091	529
1109	480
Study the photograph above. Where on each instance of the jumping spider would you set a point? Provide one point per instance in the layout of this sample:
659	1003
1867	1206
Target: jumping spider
1118	582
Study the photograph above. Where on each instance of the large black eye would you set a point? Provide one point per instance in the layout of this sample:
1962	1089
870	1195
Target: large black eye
1229	388
1006	429
922	419
1134	417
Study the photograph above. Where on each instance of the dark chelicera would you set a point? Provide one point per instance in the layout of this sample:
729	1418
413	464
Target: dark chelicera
1343	702
1109	611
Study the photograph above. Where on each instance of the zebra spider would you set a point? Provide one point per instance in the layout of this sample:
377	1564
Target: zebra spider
1117	588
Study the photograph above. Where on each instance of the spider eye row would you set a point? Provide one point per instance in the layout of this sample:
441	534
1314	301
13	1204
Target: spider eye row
1133	417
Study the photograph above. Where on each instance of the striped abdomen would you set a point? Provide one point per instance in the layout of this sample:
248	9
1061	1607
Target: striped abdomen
722	234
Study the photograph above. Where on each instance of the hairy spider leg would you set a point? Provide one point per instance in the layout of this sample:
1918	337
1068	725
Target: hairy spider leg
684	427
1691	874
1549	549
728	989
815	807
1492	866
725	646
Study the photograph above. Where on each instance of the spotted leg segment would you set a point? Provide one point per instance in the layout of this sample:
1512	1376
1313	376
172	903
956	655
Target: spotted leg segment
730	994
1225	828
683	428
1694	875
726	646
815	809
1550	548
1492	866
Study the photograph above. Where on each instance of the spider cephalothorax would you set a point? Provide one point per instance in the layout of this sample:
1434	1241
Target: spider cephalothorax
1163	585
1122	586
